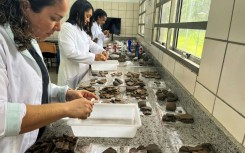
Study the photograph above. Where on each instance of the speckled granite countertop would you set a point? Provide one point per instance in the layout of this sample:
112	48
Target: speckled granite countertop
169	137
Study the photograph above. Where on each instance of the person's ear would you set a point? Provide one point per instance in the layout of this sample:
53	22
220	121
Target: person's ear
25	6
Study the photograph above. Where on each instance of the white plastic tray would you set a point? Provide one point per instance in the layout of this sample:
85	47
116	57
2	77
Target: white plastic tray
109	65
108	120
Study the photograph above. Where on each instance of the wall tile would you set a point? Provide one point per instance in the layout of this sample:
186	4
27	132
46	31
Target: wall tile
205	97
114	5
219	9
165	60
232	83
136	14
129	30
237	30
130	14
122	6
136	21
211	64
135	30
123	30
136	6
230	119
100	5
129	22
123	22
108	12
130	6
122	14
114	13
94	4
160	56
107	5
149	21
171	64
185	77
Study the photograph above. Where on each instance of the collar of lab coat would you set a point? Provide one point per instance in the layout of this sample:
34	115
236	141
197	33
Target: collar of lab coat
97	25
26	53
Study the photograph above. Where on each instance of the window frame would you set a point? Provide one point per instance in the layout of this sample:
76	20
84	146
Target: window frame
191	61
141	13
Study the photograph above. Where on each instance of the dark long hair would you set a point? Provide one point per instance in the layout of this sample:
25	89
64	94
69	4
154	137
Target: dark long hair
76	16
11	13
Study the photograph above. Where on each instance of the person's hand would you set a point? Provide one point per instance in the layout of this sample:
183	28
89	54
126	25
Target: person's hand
106	54
79	108
100	57
106	33
95	40
76	94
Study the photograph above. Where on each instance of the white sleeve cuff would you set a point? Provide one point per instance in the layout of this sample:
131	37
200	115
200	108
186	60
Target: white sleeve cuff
14	115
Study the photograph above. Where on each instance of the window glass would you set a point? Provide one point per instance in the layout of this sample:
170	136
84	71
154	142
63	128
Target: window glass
155	34
163	35
191	41
142	29
165	12
195	10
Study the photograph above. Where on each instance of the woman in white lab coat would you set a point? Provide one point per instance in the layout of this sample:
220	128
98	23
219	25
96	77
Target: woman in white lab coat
99	18
77	50
24	80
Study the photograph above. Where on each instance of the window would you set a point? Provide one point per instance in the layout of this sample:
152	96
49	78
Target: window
180	25
142	11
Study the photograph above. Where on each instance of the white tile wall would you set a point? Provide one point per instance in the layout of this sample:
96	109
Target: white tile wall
150	21
136	6
107	5
221	12
129	30
123	31
109	13
129	14
129	22
130	6
122	6
94	4
170	64
136	14
205	97
114	13
135	23
114	6
159	58
100	5
135	29
230	119
237	30
165	60
123	22
155	53
211	63
185	77
232	84
122	14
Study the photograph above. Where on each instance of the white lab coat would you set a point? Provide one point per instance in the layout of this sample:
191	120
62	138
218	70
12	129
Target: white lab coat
20	84
97	33
75	57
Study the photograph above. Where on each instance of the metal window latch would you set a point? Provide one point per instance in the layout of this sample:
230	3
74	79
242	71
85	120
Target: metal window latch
188	55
